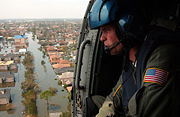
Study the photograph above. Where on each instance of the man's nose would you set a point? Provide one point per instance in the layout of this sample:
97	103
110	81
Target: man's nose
103	38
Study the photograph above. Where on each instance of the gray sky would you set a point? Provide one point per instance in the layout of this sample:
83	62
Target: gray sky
42	8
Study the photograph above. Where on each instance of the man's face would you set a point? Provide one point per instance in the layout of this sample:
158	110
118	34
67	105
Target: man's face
110	38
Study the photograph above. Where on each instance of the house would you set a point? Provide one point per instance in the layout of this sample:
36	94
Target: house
9	38
58	66
9	57
4	65
22	51
64	62
71	42
61	64
2	57
56	114
16	58
62	42
6	77
52	42
43	42
13	66
52	53
5	96
20	36
54	59
59	49
62	70
67	78
50	48
20	42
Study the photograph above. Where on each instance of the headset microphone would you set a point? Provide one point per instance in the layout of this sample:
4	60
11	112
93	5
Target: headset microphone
107	50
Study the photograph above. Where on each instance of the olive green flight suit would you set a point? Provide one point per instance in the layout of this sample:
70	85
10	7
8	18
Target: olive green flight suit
160	100
153	99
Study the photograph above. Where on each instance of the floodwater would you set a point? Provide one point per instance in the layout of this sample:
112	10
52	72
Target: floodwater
46	78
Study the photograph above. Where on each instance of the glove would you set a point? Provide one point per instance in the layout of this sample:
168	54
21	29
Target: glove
107	110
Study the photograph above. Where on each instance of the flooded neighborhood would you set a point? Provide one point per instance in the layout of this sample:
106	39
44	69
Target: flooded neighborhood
36	66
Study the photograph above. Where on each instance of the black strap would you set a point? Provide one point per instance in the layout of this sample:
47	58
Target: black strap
141	60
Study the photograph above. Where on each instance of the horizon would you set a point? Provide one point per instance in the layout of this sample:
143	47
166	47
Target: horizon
43	9
42	20
37	18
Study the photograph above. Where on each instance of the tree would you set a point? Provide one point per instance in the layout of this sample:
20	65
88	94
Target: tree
43	62
47	94
60	82
68	113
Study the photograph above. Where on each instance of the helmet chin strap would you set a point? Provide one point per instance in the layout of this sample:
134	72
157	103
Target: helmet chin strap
108	50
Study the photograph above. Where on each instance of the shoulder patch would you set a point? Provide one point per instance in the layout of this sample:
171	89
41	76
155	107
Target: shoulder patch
155	75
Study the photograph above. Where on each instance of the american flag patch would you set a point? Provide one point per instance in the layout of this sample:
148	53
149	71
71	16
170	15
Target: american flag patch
155	75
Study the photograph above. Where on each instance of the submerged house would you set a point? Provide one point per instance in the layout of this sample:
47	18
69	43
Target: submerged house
6	77
20	42
4	65
66	78
9	57
54	59
5	96
13	66
64	69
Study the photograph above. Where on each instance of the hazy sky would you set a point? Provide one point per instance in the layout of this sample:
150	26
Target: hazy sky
42	8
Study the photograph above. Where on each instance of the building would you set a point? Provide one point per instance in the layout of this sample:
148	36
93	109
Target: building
9	57
20	42
52	42
56	114
6	77
16	58
13	66
59	66
4	65
5	96
54	59
22	51
67	78
50	48
62	70
53	53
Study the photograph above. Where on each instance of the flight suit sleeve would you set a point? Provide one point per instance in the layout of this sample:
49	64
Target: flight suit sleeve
159	80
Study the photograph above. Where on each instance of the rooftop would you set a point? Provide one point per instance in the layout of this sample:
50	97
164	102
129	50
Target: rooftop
6	62
5	93
8	55
6	74
19	36
66	75
65	69
55	66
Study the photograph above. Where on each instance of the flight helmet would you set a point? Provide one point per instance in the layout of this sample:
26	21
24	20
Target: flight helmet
130	20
